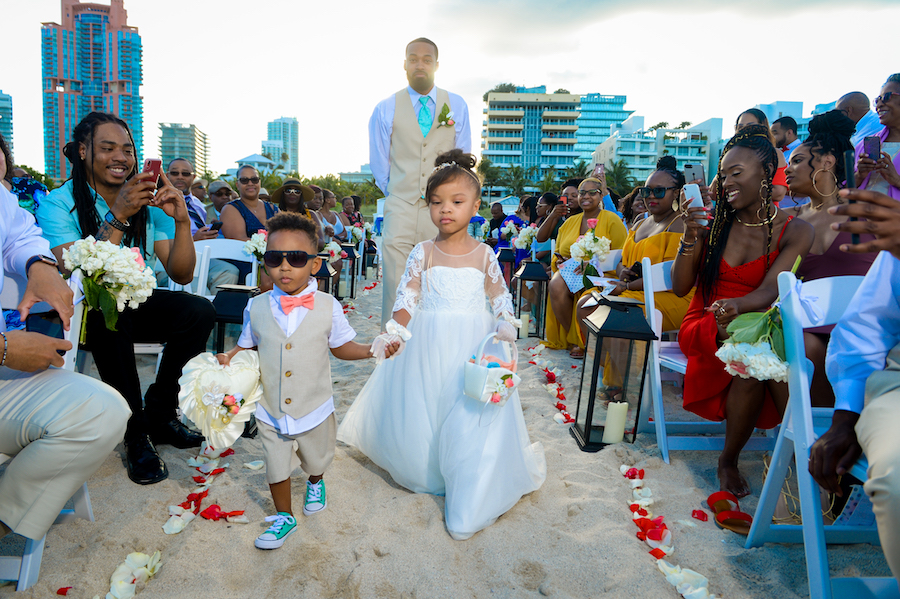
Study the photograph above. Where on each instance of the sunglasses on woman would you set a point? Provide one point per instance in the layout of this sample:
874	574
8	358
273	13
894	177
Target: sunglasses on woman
885	98
296	258
657	192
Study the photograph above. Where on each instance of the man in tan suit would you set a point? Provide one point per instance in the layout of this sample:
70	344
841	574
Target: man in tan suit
407	132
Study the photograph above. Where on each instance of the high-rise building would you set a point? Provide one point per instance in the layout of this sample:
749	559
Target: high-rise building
640	149
6	120
92	61
286	131
531	129
177	140
598	113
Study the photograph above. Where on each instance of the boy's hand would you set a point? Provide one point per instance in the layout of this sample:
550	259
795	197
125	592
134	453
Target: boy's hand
224	359
392	348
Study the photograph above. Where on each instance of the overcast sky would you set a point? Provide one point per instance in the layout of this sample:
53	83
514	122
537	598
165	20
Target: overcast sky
229	67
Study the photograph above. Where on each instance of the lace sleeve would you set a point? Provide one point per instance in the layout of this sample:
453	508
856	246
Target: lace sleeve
495	287
410	287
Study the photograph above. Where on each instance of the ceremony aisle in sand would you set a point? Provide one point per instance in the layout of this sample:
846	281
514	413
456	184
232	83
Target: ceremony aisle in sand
572	538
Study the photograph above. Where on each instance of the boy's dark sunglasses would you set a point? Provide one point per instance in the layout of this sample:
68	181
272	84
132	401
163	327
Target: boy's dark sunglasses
295	258
658	192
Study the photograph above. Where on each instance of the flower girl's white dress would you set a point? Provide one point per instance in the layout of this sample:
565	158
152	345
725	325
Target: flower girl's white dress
412	418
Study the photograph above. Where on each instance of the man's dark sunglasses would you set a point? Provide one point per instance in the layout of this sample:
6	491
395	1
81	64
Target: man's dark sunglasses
245	180
223	192
295	258
182	173
658	192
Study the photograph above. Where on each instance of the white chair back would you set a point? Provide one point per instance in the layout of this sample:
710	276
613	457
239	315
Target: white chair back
799	431
221	249
612	260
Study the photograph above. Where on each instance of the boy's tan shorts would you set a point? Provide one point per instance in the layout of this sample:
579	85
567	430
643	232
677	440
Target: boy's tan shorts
314	451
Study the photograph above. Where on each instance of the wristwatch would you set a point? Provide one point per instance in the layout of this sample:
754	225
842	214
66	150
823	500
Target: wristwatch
116	223
45	259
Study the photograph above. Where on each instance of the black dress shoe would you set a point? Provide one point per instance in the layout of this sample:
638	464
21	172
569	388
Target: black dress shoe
143	463
176	434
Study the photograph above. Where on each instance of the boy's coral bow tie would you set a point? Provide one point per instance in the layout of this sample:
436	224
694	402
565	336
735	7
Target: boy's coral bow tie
289	302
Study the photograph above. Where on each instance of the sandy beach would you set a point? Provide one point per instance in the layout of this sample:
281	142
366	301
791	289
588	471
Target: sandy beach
572	538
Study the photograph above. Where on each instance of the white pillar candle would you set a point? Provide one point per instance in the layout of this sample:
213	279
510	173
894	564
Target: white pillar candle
614	430
370	272
342	288
526	324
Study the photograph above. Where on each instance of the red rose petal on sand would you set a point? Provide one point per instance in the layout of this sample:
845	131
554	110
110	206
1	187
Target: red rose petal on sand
631	473
642	512
227	453
644	524
560	406
217	471
63	591
213	512
641	474
199	480
232	514
530	362
634	507
568	417
641	535
656	534
658	553
574	366
700	515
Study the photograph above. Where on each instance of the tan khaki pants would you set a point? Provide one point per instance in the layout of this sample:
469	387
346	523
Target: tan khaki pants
59	427
877	432
405	225
314	452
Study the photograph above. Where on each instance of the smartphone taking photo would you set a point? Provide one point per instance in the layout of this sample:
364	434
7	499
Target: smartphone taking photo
153	165
694	172
872	147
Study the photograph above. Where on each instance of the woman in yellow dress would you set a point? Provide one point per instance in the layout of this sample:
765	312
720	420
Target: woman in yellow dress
656	237
562	329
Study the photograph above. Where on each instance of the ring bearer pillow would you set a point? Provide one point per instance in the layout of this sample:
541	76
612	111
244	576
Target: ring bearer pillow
220	399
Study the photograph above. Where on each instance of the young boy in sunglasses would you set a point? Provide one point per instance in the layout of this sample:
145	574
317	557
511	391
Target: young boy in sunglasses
293	327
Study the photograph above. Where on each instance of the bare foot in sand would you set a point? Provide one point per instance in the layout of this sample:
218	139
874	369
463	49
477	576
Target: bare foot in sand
730	479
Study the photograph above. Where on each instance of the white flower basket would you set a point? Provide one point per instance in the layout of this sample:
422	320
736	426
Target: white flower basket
486	377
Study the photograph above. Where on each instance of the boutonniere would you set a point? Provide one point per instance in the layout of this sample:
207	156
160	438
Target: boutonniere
445	118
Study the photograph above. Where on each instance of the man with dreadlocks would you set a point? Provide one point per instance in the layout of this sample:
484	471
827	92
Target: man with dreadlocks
735	262
107	199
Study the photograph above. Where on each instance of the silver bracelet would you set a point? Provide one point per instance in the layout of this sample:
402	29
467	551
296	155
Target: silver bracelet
5	347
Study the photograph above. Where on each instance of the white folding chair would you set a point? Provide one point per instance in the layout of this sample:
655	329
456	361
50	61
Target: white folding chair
24	569
675	435
801	426
221	249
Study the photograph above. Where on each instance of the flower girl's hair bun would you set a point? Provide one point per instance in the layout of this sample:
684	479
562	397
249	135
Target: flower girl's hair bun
450	165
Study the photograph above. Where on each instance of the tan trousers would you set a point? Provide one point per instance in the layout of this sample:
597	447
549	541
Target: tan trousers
405	225
59	427
877	432
314	450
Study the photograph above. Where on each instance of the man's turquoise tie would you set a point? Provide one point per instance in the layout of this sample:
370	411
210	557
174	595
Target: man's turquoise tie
425	116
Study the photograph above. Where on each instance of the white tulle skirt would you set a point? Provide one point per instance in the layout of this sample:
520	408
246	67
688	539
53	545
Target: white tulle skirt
413	420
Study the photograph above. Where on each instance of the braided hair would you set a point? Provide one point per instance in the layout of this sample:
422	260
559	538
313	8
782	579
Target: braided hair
829	133
756	138
668	165
82	189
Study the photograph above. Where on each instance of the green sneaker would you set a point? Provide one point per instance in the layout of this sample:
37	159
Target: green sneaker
283	525
315	498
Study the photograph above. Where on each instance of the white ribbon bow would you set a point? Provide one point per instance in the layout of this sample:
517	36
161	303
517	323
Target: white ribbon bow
395	328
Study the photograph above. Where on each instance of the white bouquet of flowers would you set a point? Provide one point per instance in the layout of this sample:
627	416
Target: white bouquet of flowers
370	229
334	251
357	233
256	246
509	230
589	247
114	277
481	231
526	237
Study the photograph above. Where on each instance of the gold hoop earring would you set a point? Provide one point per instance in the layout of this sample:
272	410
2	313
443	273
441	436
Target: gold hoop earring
764	191
762	217
833	176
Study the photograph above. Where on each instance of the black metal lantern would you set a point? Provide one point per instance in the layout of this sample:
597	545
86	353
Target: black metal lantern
507	259
347	280
531	287
612	382
325	273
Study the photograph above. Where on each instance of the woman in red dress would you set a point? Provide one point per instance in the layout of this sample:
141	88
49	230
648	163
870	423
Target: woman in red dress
735	262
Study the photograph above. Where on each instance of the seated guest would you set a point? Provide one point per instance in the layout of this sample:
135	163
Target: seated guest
108	199
497	218
633	209
734	263
293	196
181	175
755	116
58	426
862	365
879	173
816	170
198	189
784	131
29	191
657	237
858	109
475	224
562	330
220	195
545	206
334	228
248	214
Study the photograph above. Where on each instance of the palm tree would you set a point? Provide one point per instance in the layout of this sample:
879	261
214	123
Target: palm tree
490	174
618	178
516	179
684	125
580	170
284	160
659	125
549	182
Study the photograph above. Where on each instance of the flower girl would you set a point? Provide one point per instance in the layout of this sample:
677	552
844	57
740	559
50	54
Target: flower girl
412	417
